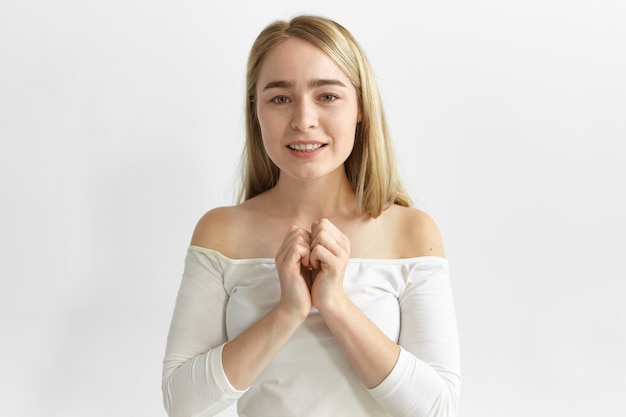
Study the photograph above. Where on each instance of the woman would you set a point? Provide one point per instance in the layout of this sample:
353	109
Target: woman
322	293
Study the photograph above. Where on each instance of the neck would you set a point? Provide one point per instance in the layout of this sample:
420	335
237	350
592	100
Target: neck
306	201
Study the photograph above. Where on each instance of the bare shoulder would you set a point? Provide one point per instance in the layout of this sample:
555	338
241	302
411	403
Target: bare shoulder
215	229
417	233
241	231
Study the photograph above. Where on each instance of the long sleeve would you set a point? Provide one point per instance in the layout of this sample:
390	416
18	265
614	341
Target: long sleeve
425	381
193	380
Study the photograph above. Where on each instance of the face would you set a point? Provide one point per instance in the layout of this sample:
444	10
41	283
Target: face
307	110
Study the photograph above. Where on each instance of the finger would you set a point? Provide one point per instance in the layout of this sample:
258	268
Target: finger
337	243
292	235
314	262
304	243
295	247
325	225
305	256
322	257
321	224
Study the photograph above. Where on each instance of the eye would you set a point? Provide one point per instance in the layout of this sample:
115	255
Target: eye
329	98
280	100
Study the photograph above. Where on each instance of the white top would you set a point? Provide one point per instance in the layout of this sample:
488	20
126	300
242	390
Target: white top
409	299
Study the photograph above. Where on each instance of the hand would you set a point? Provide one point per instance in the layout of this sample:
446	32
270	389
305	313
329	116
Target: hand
330	251
292	264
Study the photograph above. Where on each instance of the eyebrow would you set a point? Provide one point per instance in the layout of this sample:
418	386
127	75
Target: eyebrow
313	83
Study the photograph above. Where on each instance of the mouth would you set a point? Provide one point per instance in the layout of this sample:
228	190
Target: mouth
306	147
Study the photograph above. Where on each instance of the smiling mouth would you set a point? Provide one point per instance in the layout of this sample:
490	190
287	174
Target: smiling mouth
308	147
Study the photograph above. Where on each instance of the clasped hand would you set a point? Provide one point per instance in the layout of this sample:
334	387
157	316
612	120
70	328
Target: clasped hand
311	267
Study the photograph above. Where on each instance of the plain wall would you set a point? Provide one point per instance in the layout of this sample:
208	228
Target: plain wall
121	123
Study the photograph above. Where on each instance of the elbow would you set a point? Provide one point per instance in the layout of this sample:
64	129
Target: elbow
168	398
174	408
173	404
447	402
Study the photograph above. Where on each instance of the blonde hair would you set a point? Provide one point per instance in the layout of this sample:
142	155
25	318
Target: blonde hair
371	168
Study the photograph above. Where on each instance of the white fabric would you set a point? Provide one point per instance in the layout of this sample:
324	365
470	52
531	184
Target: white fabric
410	300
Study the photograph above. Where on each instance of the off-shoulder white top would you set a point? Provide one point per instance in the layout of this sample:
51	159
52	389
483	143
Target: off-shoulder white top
410	300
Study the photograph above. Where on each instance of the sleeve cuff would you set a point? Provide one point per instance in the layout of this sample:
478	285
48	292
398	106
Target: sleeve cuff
220	377
394	380
415	388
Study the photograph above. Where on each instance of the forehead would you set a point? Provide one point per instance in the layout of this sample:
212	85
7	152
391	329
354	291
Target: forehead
295	59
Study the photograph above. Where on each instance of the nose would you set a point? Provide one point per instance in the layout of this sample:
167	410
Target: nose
304	116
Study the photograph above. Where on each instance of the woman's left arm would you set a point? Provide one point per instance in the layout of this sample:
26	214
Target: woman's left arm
372	354
426	379
419	376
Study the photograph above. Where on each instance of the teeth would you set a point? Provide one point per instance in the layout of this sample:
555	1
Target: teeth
308	147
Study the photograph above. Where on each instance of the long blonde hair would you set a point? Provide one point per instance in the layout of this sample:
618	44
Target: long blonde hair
371	168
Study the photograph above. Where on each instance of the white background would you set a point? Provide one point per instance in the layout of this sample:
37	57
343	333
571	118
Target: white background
121	124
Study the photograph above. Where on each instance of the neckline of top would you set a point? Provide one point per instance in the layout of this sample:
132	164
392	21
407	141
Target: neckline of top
350	260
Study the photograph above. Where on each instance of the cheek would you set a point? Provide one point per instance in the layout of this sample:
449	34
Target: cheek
264	127
260	120
268	131
347	129
269	123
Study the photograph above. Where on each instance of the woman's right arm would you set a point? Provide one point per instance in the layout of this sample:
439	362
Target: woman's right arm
193	380
247	355
204	374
